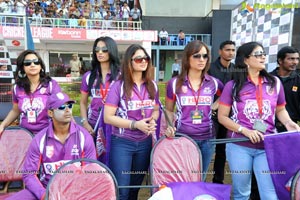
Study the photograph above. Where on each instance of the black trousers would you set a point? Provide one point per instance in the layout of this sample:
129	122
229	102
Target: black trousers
220	156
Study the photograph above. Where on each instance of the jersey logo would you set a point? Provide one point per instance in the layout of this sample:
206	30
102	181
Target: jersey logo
50	168
190	100
75	150
137	105
184	89
295	89
251	110
49	151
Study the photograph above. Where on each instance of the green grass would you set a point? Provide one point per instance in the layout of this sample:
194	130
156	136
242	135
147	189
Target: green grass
73	90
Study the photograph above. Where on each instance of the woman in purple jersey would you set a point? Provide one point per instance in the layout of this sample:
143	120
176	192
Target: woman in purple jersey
132	109
247	108
193	94
96	83
33	88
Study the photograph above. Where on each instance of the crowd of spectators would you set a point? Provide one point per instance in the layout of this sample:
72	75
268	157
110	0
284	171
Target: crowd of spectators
75	13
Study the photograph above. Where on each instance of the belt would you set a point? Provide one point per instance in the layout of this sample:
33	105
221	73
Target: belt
75	71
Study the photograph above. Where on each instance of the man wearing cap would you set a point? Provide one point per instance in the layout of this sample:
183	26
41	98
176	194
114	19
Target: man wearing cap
63	140
75	65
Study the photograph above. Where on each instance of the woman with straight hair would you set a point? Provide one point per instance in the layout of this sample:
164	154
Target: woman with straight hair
30	93
132	108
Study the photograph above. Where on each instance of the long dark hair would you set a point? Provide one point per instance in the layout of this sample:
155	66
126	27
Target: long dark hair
127	71
190	49
240	73
23	82
113	61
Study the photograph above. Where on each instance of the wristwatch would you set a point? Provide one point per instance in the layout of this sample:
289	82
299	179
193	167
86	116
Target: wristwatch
240	129
82	120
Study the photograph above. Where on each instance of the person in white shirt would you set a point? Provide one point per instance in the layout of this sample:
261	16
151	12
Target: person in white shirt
175	68
163	35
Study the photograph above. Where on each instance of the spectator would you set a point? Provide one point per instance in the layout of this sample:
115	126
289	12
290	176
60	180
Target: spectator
135	13
96	16
133	122
221	69
33	88
75	66
131	4
125	13
95	85
82	21
288	60
247	108
37	17
118	16
194	115
67	141
175	68
73	22
163	35
181	37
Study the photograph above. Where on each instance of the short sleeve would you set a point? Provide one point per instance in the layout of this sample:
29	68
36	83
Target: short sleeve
84	83
113	97
170	89
55	87
226	96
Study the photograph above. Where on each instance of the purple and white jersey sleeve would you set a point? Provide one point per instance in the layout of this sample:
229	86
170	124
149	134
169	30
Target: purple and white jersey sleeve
31	169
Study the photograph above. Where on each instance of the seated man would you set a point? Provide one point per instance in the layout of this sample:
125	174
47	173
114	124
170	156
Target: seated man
63	140
163	35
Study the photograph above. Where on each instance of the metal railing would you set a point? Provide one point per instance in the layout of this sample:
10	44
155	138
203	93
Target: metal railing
112	24
173	39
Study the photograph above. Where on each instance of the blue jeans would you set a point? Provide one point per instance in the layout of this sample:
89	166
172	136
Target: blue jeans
207	150
242	160
129	161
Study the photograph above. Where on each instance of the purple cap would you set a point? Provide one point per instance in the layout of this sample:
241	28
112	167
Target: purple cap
57	100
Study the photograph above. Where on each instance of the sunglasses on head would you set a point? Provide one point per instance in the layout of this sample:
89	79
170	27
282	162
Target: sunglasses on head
198	56
63	107
103	49
259	54
34	61
140	59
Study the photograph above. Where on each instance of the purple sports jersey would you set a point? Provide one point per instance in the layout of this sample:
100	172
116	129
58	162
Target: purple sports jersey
198	127
132	108
246	111
48	152
34	116
96	96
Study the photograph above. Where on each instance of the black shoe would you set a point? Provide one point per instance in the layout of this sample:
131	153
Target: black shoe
217	181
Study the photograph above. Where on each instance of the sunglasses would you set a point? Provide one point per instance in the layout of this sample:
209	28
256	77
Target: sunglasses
103	49
259	54
198	56
140	59
63	107
34	61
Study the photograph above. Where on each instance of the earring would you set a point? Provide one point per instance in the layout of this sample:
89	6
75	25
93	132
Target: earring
21	75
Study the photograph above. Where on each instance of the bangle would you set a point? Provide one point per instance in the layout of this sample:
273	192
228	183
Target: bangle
132	123
285	123
240	129
83	120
